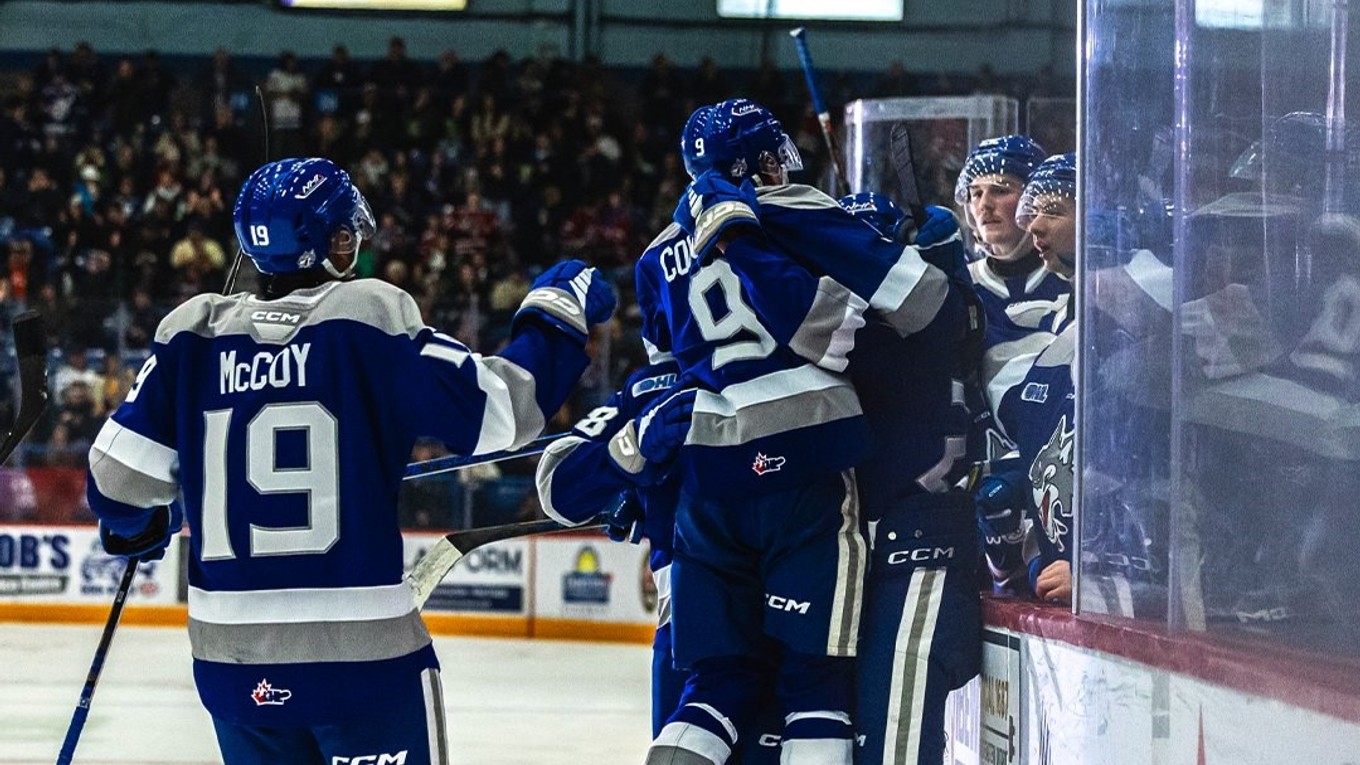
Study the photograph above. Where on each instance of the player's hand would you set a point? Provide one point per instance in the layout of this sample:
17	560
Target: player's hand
663	426
1000	508
1054	584
712	206
939	225
625	523
570	296
149	544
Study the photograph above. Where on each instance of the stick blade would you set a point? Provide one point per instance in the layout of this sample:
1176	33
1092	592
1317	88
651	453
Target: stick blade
30	337
904	163
30	344
430	570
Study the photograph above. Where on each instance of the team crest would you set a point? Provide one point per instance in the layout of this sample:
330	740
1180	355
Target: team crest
267	695
1050	479
765	464
307	259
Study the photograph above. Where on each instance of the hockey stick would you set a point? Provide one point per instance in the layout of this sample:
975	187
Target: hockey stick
904	164
68	746
30	346
240	248
841	180
436	564
460	461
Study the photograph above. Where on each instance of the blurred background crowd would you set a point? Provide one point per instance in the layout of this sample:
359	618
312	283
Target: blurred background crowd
120	173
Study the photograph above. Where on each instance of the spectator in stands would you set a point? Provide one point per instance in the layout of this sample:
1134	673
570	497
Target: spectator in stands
142	321
75	368
196	254
286	91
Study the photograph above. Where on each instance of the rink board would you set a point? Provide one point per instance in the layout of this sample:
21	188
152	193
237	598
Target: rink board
1056	689
568	586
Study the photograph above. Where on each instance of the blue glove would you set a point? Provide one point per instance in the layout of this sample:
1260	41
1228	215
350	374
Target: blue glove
662	427
1001	508
711	205
940	224
625	523
570	296
148	544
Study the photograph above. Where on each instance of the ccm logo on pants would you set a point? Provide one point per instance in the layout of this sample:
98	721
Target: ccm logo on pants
920	555
781	603
372	759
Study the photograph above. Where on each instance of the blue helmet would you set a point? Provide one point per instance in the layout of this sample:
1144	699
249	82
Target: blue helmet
880	212
287	211
1054	178
1014	155
731	137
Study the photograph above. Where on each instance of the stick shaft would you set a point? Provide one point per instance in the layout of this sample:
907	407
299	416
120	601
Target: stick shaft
842	181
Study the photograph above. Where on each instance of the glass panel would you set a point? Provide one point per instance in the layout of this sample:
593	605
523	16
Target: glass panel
1266	367
942	131
1219	431
1124	280
1052	122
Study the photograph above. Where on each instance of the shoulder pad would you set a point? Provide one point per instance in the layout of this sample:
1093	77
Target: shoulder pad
795	195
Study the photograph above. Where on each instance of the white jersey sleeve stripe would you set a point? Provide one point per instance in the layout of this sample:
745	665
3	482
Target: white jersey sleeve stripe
338	604
445	353
512	416
152	459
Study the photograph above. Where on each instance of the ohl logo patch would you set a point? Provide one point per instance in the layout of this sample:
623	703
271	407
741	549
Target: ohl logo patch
764	464
267	695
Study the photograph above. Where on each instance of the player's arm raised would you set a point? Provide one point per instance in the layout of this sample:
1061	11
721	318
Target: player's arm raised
478	404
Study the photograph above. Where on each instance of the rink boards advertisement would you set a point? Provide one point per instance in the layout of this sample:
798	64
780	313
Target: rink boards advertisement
66	564
1046	701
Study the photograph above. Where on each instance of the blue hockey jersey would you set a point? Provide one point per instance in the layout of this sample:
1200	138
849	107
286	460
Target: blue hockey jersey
1015	303
764	330
284	427
577	479
1041	412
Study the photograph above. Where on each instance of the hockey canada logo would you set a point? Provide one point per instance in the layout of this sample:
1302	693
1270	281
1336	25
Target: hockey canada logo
765	464
267	695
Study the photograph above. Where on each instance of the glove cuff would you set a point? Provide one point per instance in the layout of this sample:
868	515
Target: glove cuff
558	304
623	449
713	220
154	537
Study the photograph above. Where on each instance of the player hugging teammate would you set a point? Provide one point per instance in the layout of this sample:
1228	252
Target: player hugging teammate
808	447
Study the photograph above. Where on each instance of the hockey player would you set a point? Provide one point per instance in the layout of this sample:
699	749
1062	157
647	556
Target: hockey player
282	422
1016	292
1040	410
768	539
922	631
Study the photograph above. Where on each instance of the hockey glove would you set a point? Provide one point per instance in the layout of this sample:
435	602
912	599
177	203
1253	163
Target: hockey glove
646	444
569	296
938	242
939	226
712	205
150	543
625	523
1000	509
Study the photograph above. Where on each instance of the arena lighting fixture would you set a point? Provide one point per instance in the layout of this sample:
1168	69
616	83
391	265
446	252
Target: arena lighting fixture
378	5
843	10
